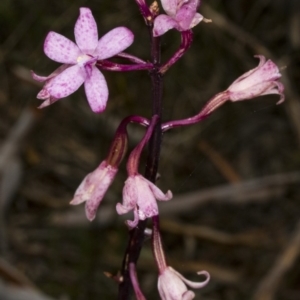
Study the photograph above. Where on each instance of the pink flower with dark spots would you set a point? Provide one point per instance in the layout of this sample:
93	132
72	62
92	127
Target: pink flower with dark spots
140	195
181	15
93	188
173	286
79	61
263	80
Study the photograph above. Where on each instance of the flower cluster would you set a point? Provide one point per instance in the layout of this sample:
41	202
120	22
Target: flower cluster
82	63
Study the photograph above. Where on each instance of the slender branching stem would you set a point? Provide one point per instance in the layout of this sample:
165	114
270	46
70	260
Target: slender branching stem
137	235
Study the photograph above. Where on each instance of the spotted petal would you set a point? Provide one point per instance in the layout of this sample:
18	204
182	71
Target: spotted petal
66	82
162	24
86	32
114	42
60	49
96	90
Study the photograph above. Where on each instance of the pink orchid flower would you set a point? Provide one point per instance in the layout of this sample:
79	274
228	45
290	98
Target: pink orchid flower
173	286
262	80
181	15
139	195
93	188
80	61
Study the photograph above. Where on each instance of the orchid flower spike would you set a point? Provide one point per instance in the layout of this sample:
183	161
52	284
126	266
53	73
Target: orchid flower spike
139	195
79	61
93	188
263	80
173	286
181	15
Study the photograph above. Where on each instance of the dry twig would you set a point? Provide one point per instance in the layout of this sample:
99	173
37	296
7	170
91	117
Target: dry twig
11	166
268	286
219	162
216	236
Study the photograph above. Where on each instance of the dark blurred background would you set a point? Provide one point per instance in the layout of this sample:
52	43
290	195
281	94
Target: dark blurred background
235	176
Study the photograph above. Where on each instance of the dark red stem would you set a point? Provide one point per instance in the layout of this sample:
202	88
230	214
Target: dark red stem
137	235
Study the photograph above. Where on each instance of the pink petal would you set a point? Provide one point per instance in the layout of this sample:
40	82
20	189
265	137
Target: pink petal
188	295
122	209
66	82
43	94
83	192
48	102
146	202
60	49
258	81
114	42
196	20
93	188
86	32
269	71
104	179
170	286
96	90
262	61
53	74
93	203
186	14
162	24
129	196
132	224
147	208
193	284
170	6
38	77
158	194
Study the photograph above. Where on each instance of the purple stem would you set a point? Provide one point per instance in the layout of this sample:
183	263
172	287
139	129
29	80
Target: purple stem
157	247
118	146
137	235
212	105
131	58
134	119
112	66
186	42
134	280
134	157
